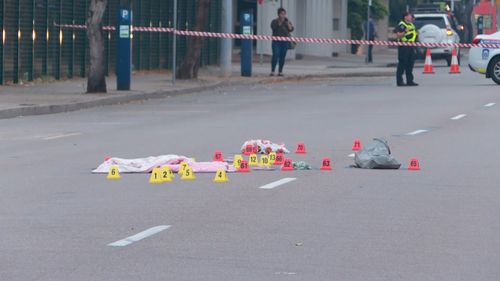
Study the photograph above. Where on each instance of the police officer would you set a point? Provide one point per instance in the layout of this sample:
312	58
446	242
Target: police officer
406	32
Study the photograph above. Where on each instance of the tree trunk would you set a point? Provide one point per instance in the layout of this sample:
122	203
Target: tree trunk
469	8
96	82
191	64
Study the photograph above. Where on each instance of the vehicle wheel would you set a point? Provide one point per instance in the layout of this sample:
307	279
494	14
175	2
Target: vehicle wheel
448	60
494	70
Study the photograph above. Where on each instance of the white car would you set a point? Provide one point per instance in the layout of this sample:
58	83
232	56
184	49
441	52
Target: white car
486	60
437	28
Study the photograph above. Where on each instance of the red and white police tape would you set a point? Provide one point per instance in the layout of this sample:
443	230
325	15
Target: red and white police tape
292	39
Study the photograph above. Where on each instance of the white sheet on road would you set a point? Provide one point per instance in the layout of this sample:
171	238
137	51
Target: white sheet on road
146	165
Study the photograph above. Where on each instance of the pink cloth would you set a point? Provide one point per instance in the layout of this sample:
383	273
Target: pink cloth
206	167
146	165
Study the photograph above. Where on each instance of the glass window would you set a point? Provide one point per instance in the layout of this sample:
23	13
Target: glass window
437	21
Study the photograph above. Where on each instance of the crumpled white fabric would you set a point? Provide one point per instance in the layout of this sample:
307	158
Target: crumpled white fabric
266	146
146	165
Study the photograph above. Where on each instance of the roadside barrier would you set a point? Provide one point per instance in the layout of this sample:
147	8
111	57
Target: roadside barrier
290	39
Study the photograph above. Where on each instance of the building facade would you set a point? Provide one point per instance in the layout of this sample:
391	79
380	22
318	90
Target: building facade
487	11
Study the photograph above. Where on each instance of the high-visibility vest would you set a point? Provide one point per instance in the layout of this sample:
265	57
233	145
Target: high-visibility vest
411	32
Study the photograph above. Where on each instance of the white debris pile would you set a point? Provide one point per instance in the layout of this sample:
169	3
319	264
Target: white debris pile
265	146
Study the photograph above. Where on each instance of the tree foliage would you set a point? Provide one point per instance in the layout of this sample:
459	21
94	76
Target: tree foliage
397	8
357	14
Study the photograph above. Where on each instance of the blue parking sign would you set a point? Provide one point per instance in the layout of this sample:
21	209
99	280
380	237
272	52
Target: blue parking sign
125	14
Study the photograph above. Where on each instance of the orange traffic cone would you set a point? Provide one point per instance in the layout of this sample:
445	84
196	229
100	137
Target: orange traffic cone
301	148
287	165
414	165
428	63
356	145
454	67
326	165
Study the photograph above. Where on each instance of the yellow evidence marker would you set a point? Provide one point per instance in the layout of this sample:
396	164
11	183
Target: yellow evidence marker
188	174
156	175
264	161
253	161
221	176
272	158
166	174
114	173
183	167
237	161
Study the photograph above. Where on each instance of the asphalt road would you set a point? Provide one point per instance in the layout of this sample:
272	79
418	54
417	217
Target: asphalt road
440	223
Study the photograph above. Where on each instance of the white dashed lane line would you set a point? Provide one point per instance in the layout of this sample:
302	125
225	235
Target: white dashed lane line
139	236
417	132
54	137
458	117
277	183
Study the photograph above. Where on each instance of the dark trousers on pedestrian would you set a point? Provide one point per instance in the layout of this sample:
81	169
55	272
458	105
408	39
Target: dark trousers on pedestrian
280	48
370	53
406	61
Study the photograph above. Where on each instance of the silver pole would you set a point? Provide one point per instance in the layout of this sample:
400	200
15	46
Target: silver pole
226	46
368	29
174	43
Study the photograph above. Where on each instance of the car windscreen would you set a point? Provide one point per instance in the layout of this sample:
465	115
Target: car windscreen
437	21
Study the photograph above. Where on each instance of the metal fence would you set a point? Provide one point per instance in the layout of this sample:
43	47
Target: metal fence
33	46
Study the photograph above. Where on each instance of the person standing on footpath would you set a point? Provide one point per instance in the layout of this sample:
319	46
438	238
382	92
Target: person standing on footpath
369	34
281	26
407	33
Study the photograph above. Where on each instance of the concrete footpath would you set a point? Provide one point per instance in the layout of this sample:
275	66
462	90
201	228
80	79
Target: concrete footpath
38	97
